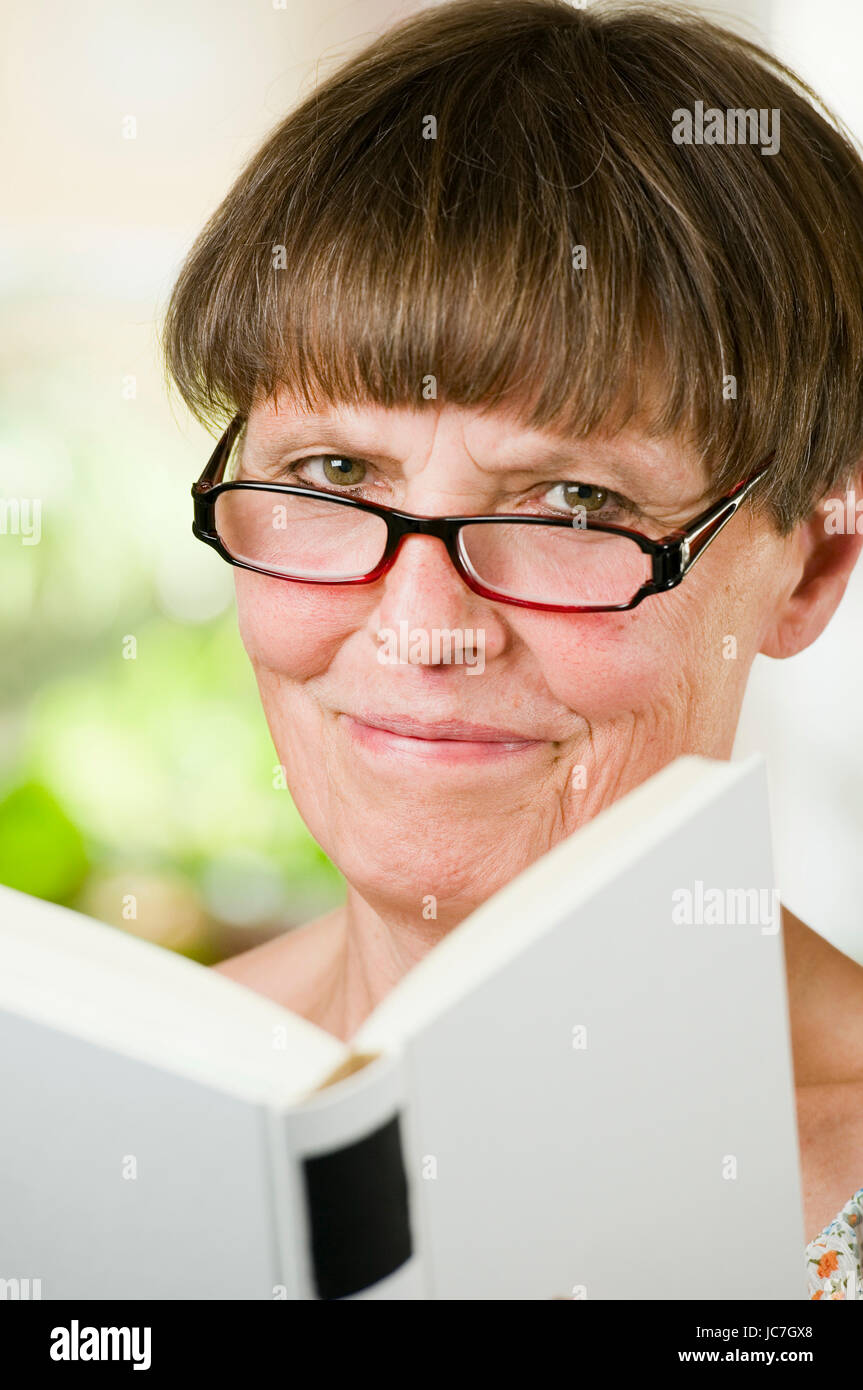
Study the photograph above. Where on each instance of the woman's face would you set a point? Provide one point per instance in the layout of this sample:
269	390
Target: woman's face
586	705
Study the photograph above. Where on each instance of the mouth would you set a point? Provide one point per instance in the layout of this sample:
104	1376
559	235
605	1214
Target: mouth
450	740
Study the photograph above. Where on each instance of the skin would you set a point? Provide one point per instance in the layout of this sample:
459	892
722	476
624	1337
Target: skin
619	694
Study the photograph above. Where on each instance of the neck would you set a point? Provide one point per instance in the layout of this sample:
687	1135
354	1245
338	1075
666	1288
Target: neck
370	951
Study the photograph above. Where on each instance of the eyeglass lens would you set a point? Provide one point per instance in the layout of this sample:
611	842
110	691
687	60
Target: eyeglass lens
309	538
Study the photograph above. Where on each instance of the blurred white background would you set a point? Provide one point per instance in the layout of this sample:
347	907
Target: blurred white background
96	228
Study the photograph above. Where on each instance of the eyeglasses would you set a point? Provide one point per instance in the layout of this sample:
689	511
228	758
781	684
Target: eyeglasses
555	564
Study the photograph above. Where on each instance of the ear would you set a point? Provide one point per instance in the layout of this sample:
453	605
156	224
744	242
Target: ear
827	545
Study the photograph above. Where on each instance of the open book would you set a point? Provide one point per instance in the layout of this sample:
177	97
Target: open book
584	1090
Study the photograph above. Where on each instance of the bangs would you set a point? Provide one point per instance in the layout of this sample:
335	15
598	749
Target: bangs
513	260
486	208
556	298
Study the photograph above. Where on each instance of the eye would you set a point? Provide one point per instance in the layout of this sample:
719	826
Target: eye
586	495
568	497
336	470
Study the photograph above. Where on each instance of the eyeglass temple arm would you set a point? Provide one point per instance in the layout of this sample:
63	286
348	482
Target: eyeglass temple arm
705	528
219	456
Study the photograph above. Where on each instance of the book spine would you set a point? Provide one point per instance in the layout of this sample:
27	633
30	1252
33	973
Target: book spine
344	1203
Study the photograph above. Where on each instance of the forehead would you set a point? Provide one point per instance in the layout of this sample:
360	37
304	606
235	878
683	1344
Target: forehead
490	441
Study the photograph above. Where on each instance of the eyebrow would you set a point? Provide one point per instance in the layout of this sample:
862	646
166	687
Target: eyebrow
328	433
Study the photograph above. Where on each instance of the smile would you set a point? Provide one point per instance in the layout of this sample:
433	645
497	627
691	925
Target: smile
448	740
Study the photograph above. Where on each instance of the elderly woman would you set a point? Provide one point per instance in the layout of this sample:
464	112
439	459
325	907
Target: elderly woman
594	277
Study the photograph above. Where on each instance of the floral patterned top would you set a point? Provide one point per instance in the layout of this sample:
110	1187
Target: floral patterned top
834	1259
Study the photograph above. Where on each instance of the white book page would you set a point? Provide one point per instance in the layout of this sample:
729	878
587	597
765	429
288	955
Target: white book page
96	982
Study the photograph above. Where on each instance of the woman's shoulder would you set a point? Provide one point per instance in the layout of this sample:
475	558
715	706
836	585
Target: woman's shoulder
830	1131
825	1004
825	997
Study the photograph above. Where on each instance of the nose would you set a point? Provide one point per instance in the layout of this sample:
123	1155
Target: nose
424	590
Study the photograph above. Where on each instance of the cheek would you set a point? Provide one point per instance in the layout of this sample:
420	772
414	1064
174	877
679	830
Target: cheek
606	664
293	629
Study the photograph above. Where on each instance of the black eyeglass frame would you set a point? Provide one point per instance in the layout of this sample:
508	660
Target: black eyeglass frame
671	558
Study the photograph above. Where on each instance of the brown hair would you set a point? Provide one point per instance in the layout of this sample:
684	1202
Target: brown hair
406	256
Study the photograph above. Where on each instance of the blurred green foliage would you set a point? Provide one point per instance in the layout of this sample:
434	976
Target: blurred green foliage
41	850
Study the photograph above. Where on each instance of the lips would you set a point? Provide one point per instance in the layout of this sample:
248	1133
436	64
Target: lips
448	730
